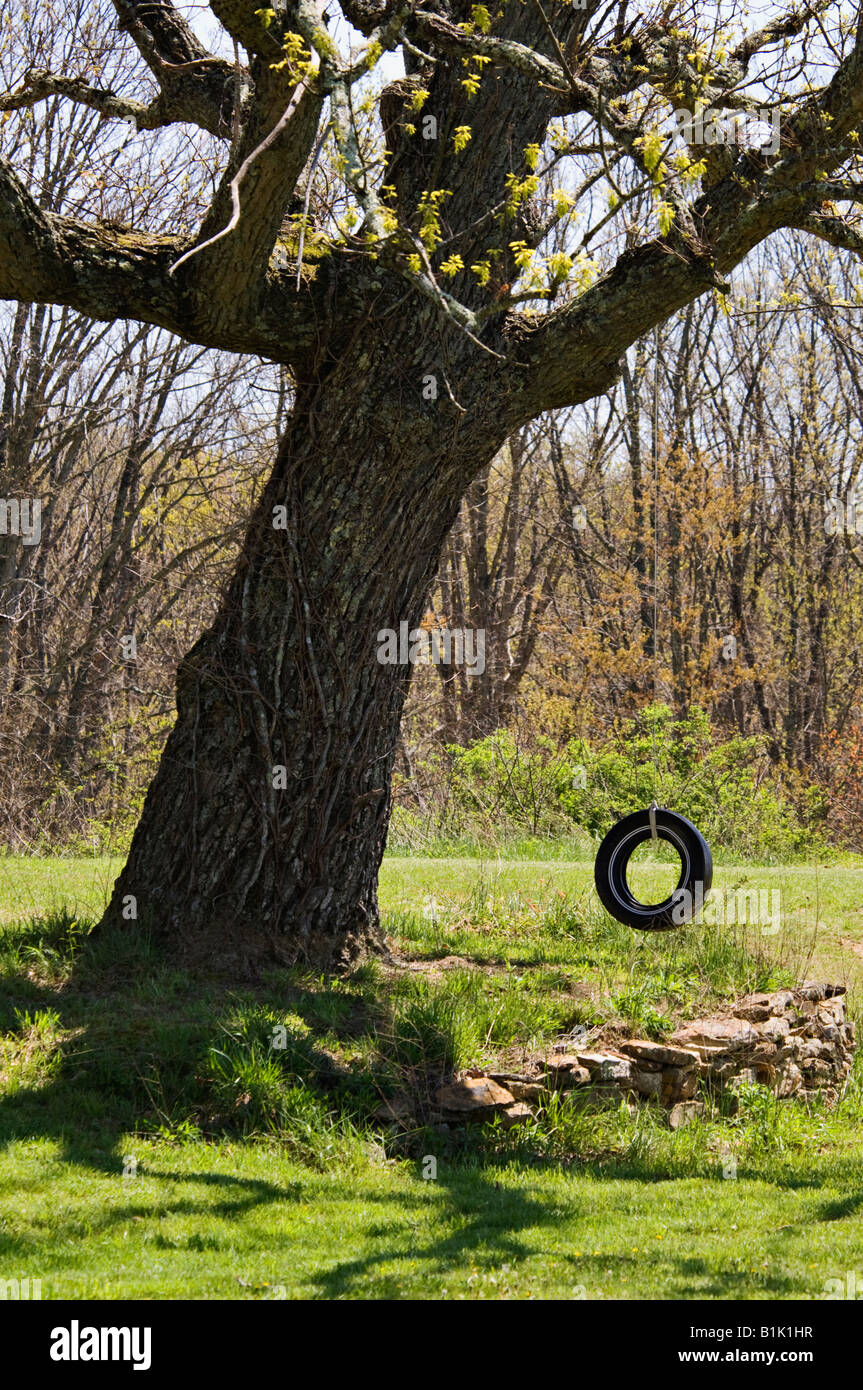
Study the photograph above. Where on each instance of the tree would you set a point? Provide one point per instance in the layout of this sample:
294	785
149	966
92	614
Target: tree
501	562
405	291
138	447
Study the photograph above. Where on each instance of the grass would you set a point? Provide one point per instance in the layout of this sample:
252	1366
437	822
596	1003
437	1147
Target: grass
169	1136
250	1223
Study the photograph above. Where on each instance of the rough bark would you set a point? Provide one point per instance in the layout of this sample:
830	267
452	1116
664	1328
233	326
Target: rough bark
229	849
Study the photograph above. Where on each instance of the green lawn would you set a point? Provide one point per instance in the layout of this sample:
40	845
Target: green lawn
250	1174
822	906
237	1221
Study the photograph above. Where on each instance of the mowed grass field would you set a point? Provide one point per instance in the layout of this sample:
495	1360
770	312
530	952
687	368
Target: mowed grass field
821	905
153	1145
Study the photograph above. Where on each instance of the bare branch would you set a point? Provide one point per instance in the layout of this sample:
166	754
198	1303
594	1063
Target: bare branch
785	26
652	282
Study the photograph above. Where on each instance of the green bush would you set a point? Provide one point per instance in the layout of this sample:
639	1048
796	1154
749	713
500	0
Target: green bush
496	791
730	790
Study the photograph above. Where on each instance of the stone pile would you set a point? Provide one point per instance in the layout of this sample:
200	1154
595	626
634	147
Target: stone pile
795	1041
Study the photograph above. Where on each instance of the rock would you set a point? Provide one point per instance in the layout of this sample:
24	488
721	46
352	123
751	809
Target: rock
790	1080
563	1061
806	1011
521	1087
781	1001
678	1084
764	1075
606	1066
515	1115
755	1007
473	1095
576	1076
566	1071
684	1112
660	1053
814	1066
707	1036
812	990
399	1109
648	1083
774	1028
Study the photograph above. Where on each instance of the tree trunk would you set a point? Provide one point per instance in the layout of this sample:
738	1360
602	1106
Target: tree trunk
264	827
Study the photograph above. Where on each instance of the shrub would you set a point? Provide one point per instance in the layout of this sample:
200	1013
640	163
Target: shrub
498	790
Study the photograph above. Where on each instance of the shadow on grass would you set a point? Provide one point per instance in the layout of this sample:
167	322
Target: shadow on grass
113	1042
103	1038
110	1041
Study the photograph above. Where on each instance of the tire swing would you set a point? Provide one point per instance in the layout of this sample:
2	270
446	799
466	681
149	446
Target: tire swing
657	823
615	852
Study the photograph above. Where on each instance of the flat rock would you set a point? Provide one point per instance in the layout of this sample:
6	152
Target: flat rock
814	990
563	1061
522	1087
607	1066
709	1035
758	1007
647	1051
473	1094
515	1115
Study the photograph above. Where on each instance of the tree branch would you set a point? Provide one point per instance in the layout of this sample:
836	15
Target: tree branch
109	274
786	26
166	109
832	230
192	81
757	197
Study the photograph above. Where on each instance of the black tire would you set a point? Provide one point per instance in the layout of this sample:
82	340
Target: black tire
696	868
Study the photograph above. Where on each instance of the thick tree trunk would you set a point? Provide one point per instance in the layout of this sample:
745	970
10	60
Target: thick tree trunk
266	822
